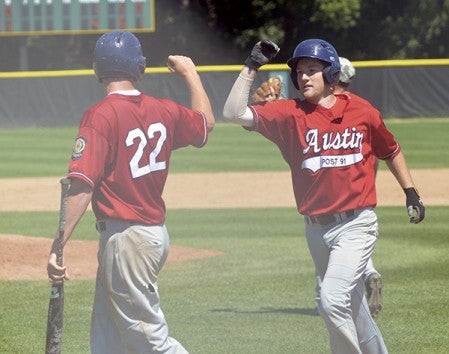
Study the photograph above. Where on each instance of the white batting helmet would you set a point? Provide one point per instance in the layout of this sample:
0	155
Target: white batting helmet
347	71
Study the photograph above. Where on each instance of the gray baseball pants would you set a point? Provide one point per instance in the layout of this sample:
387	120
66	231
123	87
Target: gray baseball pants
340	251
126	316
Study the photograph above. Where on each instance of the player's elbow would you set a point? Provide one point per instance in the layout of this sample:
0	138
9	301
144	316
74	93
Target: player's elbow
232	115
228	113
210	123
244	117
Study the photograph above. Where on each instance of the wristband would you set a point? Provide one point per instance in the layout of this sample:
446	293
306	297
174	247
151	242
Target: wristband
411	191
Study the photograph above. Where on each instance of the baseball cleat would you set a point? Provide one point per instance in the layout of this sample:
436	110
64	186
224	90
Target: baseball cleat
373	287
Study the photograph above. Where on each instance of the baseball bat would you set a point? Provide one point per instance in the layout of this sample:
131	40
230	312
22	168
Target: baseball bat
56	304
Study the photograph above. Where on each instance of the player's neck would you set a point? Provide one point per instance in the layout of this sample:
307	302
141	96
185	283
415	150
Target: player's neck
119	86
328	101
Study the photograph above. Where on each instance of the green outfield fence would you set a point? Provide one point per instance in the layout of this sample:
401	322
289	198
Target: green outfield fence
398	88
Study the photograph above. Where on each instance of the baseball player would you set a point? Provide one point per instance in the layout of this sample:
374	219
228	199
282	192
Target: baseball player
270	91
331	143
120	162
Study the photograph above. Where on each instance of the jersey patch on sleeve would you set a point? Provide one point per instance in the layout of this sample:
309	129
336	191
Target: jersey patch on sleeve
78	147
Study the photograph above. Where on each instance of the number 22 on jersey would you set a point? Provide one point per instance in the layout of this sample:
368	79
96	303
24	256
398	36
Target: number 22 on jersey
138	166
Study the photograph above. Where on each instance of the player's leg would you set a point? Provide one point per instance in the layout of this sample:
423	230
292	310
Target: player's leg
350	247
342	332
320	256
361	314
134	259
373	285
369	336
104	335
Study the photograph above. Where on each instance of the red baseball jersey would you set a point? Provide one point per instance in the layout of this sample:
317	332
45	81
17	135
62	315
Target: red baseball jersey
123	151
331	152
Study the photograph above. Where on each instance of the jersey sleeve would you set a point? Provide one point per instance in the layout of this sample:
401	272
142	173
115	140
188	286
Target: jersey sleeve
274	121
190	127
91	149
384	143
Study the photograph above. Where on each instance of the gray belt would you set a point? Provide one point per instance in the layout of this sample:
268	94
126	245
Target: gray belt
102	225
327	219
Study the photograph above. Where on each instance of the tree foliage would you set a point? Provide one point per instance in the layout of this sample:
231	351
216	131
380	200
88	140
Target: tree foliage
337	15
223	32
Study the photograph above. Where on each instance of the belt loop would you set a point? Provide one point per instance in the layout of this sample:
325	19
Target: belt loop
339	217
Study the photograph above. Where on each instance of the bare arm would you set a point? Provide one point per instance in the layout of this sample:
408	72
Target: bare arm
79	197
184	67
401	172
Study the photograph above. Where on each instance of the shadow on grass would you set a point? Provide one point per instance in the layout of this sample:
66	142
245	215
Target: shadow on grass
292	311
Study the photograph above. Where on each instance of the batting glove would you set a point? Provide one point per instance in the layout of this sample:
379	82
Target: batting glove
261	54
415	207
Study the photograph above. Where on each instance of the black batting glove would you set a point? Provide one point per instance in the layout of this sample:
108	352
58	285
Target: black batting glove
415	207
261	54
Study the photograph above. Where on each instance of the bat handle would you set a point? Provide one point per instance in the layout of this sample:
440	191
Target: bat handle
65	184
59	249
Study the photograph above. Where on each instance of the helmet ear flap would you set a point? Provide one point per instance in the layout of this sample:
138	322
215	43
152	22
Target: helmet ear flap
294	78
331	74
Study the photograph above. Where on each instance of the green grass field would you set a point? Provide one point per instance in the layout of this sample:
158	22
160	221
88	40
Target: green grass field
259	296
35	152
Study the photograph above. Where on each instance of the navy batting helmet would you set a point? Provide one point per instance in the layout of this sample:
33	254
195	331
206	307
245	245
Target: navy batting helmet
317	49
118	54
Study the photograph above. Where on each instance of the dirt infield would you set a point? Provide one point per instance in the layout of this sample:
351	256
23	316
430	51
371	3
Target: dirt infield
217	190
223	190
80	256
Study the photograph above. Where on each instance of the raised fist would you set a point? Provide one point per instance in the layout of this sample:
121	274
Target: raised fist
261	54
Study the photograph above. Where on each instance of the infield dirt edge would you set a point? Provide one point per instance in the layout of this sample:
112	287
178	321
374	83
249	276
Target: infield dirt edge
186	191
